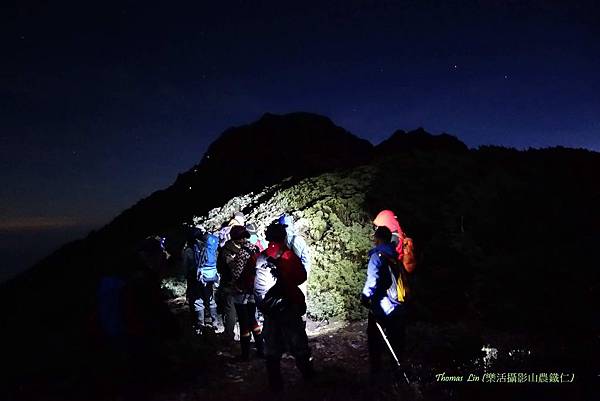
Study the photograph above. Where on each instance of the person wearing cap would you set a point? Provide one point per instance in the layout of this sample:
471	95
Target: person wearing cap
238	219
254	238
285	331
224	233
225	265
379	294
236	254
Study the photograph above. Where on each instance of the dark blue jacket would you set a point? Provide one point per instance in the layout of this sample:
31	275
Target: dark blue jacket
380	286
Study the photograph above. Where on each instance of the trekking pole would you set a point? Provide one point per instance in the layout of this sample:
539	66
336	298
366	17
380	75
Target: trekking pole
391	350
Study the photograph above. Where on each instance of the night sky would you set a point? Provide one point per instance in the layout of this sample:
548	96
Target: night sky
101	105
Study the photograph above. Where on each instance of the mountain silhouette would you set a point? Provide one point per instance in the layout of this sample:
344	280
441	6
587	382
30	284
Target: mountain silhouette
420	140
496	229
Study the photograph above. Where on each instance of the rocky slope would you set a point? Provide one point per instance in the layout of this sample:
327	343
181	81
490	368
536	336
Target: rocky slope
331	214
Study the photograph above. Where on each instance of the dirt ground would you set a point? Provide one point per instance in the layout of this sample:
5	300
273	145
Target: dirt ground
203	368
340	358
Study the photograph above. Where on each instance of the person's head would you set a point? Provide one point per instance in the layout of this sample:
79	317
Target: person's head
276	233
253	231
288	221
382	235
239	234
387	218
194	234
152	252
238	219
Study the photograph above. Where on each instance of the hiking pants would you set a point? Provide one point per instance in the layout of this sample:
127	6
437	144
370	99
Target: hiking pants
283	334
227	309
246	314
394	328
201	298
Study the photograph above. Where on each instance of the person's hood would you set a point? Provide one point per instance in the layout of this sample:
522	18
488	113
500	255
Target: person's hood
387	249
388	219
289	222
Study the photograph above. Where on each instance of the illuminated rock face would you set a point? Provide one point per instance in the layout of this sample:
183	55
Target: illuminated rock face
330	214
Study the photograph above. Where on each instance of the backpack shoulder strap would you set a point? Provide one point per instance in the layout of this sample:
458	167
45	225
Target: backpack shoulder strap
196	253
280	252
391	263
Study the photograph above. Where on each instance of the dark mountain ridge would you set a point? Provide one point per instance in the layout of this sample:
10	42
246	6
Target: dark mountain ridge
242	159
480	217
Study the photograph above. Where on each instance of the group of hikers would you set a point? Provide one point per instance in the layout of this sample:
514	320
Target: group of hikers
238	276
252	273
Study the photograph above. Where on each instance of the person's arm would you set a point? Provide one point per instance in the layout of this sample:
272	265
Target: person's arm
373	276
187	260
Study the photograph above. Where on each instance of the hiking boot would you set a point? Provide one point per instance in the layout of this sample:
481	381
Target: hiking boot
258	342
211	327
306	367
198	329
245	343
274	374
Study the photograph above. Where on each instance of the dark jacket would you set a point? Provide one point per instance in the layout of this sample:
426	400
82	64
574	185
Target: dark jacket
380	286
233	258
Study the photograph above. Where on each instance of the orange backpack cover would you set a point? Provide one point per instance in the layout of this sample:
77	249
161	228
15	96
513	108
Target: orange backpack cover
387	218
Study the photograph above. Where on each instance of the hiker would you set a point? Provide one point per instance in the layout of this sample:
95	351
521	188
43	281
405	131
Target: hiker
275	275
260	242
380	295
132	318
238	220
200	265
227	263
235	254
404	248
297	244
254	237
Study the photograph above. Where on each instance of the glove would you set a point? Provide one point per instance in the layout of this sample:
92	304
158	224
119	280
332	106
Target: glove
273	261
365	301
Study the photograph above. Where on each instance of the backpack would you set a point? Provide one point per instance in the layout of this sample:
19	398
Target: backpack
264	279
400	269
224	235
271	297
205	256
301	253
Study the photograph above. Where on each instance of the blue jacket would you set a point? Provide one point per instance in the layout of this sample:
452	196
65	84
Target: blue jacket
380	286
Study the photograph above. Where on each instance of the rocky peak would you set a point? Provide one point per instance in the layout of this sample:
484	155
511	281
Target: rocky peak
294	142
419	139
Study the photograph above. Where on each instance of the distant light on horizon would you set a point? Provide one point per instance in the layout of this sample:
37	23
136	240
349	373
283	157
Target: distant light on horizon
37	223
